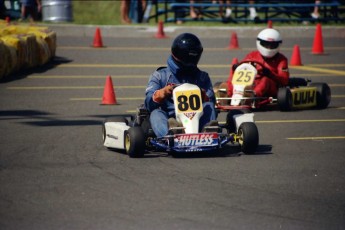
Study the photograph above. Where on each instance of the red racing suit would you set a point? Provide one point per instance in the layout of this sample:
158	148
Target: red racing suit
267	85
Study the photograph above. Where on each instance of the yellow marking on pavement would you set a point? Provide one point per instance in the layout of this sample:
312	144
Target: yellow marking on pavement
167	49
315	138
315	69
129	66
305	68
114	48
98	99
86	77
70	87
327	65
106	66
338	96
213	76
301	121
336	85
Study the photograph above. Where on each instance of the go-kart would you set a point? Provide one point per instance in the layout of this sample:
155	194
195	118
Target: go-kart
134	135
299	94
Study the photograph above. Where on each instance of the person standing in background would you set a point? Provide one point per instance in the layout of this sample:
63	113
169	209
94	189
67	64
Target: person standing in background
125	5
252	11
227	9
30	8
315	14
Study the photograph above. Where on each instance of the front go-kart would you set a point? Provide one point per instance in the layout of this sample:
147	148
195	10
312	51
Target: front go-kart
134	134
299	94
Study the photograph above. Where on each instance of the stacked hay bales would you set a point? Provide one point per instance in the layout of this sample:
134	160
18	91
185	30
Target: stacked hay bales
24	46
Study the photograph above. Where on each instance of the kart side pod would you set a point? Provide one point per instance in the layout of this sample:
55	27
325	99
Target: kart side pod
241	118
113	134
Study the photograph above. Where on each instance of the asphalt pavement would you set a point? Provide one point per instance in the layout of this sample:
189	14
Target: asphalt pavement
56	174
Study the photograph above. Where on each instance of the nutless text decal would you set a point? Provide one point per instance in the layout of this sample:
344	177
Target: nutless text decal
196	140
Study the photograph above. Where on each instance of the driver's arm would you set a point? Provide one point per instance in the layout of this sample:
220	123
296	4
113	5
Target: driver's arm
281	73
153	85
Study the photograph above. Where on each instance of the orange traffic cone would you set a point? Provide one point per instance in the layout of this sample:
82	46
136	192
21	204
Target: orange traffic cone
160	33
318	43
296	56
109	97
269	24
233	41
97	40
234	62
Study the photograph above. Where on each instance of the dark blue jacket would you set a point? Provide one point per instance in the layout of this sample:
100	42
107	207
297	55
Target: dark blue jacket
174	75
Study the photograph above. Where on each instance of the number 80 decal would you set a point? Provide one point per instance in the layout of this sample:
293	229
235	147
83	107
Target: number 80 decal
189	101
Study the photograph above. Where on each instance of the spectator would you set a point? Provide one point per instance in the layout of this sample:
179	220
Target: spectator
179	12
252	11
30	8
125	5
194	12
2	9
227	9
181	68
315	14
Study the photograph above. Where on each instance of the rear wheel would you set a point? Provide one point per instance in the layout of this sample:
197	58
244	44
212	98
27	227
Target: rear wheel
323	95
284	99
135	142
248	137
297	82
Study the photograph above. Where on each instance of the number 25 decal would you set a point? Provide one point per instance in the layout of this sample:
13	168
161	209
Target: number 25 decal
245	76
191	103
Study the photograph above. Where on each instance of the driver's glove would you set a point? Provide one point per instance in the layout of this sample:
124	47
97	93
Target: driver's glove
160	95
266	72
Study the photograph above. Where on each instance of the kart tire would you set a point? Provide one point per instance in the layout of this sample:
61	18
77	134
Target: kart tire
230	122
248	137
323	95
135	142
112	119
297	81
284	99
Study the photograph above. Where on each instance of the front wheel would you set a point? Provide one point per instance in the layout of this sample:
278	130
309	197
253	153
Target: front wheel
135	142
248	137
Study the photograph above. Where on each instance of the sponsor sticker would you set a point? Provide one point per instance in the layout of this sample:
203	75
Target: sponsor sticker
187	140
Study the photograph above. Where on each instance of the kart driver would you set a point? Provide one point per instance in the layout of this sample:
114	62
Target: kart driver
181	68
274	72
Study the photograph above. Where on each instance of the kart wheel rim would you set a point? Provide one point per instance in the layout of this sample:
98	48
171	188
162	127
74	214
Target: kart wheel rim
127	142
103	134
240	137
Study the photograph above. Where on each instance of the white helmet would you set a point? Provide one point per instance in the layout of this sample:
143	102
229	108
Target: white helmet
268	42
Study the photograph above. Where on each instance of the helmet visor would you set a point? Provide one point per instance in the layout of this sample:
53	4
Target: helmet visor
269	44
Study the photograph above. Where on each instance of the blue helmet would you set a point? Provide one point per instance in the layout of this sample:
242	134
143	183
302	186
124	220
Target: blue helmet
187	49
